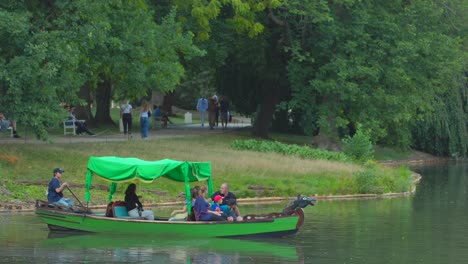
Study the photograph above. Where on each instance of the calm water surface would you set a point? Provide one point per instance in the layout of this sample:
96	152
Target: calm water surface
430	226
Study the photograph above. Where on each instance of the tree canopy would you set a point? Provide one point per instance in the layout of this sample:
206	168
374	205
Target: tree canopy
395	68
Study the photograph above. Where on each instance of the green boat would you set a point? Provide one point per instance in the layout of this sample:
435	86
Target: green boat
123	170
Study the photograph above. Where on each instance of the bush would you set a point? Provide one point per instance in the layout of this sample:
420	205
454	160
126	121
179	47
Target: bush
304	152
375	179
359	147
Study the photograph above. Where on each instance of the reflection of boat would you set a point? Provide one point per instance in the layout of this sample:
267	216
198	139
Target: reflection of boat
118	170
186	248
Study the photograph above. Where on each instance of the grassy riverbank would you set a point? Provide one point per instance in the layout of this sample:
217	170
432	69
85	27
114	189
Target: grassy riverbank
27	168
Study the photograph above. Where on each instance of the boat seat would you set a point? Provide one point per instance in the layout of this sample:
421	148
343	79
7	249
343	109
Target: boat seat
121	212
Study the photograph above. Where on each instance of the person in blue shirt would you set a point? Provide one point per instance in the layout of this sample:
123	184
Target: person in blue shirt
227	195
203	209
202	107
55	190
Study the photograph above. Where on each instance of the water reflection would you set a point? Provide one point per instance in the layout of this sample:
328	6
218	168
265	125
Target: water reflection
24	238
142	249
428	227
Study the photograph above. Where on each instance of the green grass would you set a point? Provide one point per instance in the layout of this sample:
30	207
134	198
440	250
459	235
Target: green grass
287	175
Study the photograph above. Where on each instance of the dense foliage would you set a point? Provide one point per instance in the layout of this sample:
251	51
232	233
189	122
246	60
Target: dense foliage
288	149
84	52
319	68
375	179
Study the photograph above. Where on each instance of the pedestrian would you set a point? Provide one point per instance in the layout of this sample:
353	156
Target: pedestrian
202	107
126	114
212	108
145	113
224	110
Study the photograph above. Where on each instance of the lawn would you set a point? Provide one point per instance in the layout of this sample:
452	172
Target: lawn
250	174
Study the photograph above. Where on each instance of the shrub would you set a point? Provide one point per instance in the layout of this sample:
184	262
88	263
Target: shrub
375	179
359	147
304	152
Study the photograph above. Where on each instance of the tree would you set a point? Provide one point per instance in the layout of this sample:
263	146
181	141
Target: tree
54	49
134	54
378	63
37	66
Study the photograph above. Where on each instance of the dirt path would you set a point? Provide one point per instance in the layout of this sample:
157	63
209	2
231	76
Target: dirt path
170	132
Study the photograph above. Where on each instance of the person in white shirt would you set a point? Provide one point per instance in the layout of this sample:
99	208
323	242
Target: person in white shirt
126	114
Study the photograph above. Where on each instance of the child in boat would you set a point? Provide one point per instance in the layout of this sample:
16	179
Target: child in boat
217	201
181	214
232	215
203	210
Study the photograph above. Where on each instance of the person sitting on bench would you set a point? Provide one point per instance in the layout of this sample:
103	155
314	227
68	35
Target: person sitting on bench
80	126
164	120
5	124
133	204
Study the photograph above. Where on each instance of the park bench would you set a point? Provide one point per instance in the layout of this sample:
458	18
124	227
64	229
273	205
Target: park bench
69	127
10	129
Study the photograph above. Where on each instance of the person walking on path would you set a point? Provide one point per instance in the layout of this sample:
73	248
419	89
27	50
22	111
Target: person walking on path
202	107
55	190
126	114
144	119
224	110
212	108
217	109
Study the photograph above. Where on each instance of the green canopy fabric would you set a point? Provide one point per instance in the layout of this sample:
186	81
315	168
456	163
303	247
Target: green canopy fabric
120	170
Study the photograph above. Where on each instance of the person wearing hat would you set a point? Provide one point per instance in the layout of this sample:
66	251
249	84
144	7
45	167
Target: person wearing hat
55	190
218	200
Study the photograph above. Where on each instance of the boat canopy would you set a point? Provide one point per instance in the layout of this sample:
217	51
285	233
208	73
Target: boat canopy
120	170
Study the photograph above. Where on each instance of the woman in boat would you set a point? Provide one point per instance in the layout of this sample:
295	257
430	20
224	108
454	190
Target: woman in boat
203	209
133	204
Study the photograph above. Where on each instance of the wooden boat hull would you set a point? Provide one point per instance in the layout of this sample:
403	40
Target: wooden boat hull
278	225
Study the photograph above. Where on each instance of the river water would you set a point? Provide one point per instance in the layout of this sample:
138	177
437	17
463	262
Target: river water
430	226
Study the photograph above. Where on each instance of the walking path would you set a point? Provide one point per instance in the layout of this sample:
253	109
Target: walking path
170	132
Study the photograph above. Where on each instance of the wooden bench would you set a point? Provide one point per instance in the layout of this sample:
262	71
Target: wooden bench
69	127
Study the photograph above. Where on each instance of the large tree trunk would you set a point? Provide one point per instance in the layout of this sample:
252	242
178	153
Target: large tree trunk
84	112
266	110
103	101
168	102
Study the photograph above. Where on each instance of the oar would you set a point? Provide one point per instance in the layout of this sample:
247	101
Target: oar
75	196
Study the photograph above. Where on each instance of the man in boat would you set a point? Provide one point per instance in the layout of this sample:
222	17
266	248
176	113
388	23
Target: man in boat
227	195
55	190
